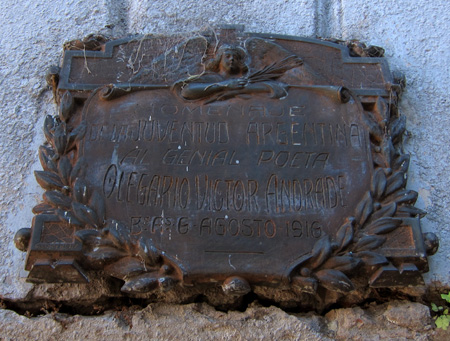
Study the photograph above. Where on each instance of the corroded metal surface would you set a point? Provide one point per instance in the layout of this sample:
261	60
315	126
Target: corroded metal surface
228	159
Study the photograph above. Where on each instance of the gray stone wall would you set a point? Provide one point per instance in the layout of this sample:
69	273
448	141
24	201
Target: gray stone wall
413	33
391	321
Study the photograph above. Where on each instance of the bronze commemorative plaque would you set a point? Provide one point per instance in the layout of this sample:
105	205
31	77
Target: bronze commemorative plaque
226	159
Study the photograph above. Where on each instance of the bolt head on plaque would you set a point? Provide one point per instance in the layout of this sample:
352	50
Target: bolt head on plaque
22	239
236	286
251	160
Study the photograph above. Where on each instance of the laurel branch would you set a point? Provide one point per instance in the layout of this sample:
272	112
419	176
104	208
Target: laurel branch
106	243
357	242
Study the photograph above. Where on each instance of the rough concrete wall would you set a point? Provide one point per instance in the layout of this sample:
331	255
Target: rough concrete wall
414	34
393	321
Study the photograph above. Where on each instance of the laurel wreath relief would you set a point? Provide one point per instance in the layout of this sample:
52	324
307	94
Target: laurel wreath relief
106	243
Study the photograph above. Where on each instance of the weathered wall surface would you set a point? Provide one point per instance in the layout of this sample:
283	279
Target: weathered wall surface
393	321
414	35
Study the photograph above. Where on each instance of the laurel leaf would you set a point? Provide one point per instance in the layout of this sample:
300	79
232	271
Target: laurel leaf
387	149
60	138
85	214
344	235
79	170
411	211
66	106
49	125
64	169
320	252
367	243
374	129
115	236
49	122
401	163
342	263
397	128
383	225
364	209
385	211
148	252
382	108
372	258
51	166
304	284
80	131
405	196
101	255
141	284
45	157
379	160
48	180
76	135
125	267
395	182
97	203
43	208
334	280
80	191
90	239
117	233
68	217
124	234
378	183
57	199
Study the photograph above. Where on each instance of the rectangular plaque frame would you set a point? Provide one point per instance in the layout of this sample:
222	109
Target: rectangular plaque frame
230	159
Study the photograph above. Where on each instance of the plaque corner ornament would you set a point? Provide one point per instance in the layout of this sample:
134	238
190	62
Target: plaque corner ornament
249	160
